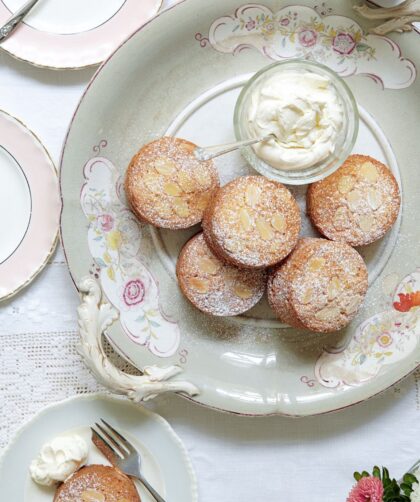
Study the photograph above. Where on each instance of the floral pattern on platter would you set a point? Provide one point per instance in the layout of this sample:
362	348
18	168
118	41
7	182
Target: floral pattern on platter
301	32
382	340
115	241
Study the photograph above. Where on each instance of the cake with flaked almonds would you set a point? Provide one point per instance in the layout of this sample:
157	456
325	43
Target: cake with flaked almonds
167	186
252	222
213	286
97	483
320	286
357	204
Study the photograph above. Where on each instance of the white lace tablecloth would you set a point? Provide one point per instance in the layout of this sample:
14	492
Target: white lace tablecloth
236	459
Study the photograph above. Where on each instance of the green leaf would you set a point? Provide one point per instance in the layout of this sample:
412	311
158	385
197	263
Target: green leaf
406	488
409	478
362	47
357	476
365	474
377	472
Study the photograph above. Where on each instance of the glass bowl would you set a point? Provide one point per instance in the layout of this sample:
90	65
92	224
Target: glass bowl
345	140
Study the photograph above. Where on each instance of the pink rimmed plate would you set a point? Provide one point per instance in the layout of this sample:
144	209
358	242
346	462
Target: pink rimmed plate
59	34
29	206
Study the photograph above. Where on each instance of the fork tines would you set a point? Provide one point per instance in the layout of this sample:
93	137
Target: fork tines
112	439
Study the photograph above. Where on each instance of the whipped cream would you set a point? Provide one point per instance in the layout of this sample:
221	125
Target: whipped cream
303	110
58	459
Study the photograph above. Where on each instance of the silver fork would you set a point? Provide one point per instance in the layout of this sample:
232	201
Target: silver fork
121	453
16	19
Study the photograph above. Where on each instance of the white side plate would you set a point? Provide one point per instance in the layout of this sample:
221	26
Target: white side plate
165	461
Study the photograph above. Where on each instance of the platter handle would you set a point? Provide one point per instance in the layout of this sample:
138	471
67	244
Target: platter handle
96	315
398	18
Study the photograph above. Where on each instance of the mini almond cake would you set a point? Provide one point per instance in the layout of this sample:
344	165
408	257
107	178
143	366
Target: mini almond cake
357	204
97	483
167	186
320	286
213	286
252	222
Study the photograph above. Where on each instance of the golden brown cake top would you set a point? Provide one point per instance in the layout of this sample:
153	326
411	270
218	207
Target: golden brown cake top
213	286
357	204
320	286
166	186
97	483
252	222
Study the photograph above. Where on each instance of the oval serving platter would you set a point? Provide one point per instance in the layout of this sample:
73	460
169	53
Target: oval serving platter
180	75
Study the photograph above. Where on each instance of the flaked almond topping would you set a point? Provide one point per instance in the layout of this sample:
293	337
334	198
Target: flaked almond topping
369	172
307	296
354	198
232	245
252	195
328	314
200	285
164	166
181	208
164	211
172	189
279	222
152	183
244	219
264	229
185	182
187	147
203	201
374	198
92	496
340	217
345	184
208	265
366	222
243	291
316	264
203	178
333	288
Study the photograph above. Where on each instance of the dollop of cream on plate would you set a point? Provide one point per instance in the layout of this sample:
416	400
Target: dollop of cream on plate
305	113
58	459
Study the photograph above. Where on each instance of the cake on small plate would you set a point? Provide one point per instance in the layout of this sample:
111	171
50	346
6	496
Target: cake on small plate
97	483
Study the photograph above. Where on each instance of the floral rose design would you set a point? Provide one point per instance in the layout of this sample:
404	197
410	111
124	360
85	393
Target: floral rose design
250	25
268	27
343	43
308	37
133	292
384	340
284	21
368	489
105	222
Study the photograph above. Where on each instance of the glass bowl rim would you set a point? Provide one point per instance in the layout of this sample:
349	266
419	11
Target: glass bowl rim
284	176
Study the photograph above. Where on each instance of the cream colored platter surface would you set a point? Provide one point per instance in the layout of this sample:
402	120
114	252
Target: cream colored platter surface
181	75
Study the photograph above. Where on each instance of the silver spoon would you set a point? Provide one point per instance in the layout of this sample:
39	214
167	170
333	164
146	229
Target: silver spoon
16	19
210	152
